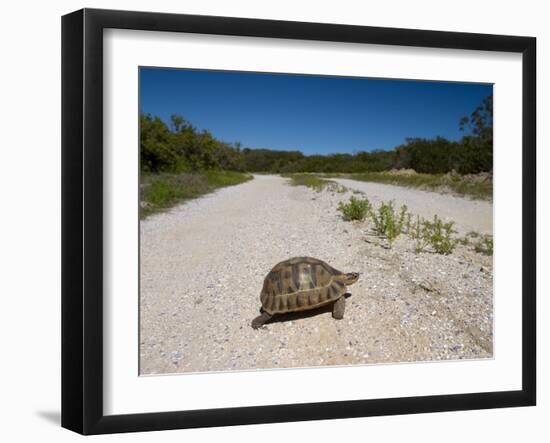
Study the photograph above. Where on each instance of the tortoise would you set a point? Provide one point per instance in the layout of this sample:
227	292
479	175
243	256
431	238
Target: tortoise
303	283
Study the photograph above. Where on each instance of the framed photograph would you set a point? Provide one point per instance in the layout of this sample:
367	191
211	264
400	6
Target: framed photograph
268	221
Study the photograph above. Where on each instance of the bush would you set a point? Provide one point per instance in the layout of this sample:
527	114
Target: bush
440	235
388	222
356	209
420	234
157	152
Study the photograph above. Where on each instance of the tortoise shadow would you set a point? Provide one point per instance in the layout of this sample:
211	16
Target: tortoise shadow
291	316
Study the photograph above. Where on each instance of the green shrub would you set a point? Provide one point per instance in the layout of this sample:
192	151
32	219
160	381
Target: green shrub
436	234
420	234
388	222
356	209
440	235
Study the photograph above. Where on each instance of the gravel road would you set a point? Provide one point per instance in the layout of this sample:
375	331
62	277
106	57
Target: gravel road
203	264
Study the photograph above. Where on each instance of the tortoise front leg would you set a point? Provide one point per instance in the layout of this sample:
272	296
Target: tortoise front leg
339	308
260	320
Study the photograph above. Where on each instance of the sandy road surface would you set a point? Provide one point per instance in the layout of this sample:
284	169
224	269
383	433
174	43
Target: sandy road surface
203	264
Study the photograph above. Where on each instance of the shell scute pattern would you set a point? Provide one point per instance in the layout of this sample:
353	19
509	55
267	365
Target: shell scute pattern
300	283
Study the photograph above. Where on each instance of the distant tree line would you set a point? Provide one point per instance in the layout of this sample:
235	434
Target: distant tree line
180	147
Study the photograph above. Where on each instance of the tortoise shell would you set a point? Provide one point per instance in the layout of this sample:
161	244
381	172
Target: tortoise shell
301	283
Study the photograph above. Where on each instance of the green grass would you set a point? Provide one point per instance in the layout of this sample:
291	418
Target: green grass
314	182
219	179
461	185
162	191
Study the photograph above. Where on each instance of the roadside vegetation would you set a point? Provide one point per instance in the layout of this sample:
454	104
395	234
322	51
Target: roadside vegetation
439	235
477	186
179	161
356	209
314	182
388	222
311	181
433	235
162	191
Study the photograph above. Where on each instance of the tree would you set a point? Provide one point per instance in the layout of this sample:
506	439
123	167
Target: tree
177	122
157	152
478	146
429	156
480	121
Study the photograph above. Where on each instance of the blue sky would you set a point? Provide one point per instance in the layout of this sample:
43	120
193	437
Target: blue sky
313	114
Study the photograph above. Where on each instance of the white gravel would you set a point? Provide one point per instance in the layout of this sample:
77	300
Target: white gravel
203	264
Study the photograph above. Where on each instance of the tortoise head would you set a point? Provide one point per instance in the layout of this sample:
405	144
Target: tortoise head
350	278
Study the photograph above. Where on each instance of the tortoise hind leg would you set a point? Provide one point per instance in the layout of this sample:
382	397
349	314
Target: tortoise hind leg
260	320
339	308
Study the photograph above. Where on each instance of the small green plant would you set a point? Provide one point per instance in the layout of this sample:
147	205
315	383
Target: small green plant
388	222
484	245
419	232
356	209
440	235
408	222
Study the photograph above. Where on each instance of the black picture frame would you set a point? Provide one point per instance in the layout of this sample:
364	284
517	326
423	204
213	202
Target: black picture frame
82	218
